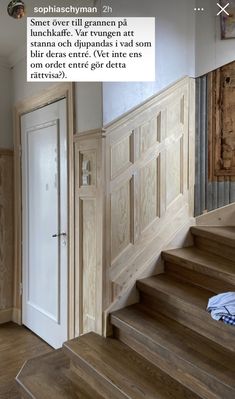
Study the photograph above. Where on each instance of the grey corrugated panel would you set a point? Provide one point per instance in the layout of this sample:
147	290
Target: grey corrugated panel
220	194
197	149
203	136
232	192
209	197
214	194
226	192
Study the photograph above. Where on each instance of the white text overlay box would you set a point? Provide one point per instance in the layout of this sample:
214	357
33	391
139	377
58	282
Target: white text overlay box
90	49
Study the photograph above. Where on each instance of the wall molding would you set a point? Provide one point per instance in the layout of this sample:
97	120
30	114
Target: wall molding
6	230
224	216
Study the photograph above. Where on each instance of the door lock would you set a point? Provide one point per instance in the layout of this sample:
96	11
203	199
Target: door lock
59	235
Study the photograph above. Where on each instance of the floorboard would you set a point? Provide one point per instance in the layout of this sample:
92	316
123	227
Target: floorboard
17	344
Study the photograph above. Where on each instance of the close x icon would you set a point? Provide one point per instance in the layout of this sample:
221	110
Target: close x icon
223	9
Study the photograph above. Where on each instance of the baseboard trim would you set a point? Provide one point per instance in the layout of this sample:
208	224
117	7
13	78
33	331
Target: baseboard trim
6	315
16	316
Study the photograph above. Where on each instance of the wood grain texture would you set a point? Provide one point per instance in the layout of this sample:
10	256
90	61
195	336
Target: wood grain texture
89	271
17	344
167	346
185	303
224	216
120	155
182	353
222	122
120	219
149	188
150	133
122	371
150	183
173	171
89	234
6	230
134	201
53	376
195	260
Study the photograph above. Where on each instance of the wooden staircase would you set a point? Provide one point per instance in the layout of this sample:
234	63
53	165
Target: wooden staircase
165	347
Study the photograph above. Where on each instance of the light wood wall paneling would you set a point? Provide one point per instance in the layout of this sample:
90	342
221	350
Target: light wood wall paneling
149	157
89	240
137	200
6	235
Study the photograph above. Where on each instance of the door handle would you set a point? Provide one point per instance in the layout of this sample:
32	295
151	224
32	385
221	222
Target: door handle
59	235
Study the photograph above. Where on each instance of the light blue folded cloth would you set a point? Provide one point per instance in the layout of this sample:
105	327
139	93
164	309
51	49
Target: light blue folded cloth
222	305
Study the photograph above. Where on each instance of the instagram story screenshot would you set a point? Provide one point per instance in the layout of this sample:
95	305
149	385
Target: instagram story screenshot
117	199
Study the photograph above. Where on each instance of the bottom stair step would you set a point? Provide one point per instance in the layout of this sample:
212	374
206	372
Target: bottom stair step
122	371
51	376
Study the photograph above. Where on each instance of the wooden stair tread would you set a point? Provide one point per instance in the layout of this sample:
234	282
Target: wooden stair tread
185	303
224	235
130	374
192	257
169	285
50	376
195	350
194	264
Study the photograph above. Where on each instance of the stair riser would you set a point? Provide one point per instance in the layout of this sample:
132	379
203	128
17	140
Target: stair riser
97	378
187	374
214	247
218	281
190	316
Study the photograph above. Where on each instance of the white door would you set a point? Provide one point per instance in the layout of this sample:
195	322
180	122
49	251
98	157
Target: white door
44	221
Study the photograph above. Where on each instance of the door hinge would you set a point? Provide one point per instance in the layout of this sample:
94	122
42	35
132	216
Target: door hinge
21	289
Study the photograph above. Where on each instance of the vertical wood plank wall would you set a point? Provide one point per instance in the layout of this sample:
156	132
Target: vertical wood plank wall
210	193
88	233
139	198
6	235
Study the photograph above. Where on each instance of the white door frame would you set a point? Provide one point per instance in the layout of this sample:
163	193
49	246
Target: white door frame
55	93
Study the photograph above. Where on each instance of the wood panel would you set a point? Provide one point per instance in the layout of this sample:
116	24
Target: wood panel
121	156
222	121
174	162
149	194
175	114
139	199
89	269
149	189
6	235
88	233
150	133
120	219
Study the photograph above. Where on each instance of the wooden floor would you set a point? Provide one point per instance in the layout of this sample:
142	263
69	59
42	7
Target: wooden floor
17	344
